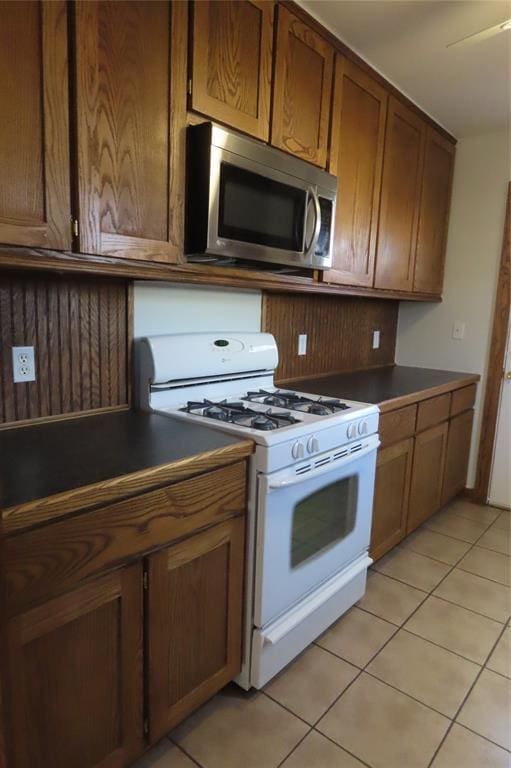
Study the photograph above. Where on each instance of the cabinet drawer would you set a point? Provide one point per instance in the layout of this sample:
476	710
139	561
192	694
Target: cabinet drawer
463	399
433	411
397	425
50	560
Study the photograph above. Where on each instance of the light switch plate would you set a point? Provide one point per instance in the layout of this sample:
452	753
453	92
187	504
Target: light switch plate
302	343
23	364
458	330
376	339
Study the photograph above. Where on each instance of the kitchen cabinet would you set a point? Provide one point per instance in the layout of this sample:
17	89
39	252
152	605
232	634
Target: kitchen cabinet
75	668
356	155
301	89
391	494
400	197
433	213
457	455
194	622
232	62
130	93
427	474
34	130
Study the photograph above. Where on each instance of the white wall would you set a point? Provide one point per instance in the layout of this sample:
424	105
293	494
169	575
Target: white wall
424	338
170	308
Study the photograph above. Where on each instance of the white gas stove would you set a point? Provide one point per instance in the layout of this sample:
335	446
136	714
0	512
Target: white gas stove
311	485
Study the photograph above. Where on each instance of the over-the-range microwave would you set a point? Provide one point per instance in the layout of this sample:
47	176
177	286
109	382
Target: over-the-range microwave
249	201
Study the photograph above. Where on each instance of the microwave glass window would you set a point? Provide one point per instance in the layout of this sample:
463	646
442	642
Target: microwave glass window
323	244
255	209
323	519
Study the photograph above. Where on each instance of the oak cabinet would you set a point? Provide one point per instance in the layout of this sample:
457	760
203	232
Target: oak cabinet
400	196
75	667
427	474
457	455
194	622
34	127
232	62
391	493
130	92
433	213
301	89
356	154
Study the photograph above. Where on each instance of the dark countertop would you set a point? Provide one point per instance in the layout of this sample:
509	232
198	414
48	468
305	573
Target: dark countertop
389	387
103	451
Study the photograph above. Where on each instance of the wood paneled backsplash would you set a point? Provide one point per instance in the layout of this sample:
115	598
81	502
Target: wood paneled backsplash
80	329
339	332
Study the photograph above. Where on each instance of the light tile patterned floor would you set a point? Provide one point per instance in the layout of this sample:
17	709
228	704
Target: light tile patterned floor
417	675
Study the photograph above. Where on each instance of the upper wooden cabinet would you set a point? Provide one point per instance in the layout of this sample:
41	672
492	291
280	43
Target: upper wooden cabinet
232	60
400	195
433	213
301	90
130	94
356	154
34	126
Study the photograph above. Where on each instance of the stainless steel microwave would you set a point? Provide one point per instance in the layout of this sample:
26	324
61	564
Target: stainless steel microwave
249	201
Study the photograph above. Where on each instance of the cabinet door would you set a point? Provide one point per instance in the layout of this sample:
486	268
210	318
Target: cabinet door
34	127
130	118
433	213
458	452
391	493
399	209
358	131
427	474
302	90
194	622
76	677
232	58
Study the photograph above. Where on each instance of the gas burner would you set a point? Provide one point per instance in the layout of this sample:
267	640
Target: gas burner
297	402
239	414
268	398
264	423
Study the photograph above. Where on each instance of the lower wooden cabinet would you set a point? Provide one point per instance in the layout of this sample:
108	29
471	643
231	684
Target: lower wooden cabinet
457	455
194	622
392	488
75	669
427	474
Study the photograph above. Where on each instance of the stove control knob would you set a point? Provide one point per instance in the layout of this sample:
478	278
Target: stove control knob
298	450
313	445
362	428
351	432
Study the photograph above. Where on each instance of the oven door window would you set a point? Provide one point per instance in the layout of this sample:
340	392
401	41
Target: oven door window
257	209
323	519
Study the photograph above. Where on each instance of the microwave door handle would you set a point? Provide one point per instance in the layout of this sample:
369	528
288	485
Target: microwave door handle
309	249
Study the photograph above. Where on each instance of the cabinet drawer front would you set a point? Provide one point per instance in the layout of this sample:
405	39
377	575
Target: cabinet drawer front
397	425
463	399
50	560
433	411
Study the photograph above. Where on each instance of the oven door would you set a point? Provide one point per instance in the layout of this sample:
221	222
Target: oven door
260	213
311	526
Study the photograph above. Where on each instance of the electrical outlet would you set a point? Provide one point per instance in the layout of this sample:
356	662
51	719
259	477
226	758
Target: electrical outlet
376	339
302	343
23	364
458	330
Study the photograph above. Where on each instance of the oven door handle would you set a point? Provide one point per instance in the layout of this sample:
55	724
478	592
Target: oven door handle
286	482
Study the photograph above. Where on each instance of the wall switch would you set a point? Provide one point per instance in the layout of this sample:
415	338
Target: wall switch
458	330
302	343
376	339
23	364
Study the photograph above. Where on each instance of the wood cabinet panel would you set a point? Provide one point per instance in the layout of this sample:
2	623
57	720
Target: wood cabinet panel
463	399
433	411
75	687
34	130
433	213
427	474
130	110
301	90
194	622
399	209
391	493
356	155
396	425
457	455
232	61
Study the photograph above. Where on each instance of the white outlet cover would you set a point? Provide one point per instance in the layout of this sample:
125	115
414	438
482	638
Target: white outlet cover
376	339
23	364
302	343
458	330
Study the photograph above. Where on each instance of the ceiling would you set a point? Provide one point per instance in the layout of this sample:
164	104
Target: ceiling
466	88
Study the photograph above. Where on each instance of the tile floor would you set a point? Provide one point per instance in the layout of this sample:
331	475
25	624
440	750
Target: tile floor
417	674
